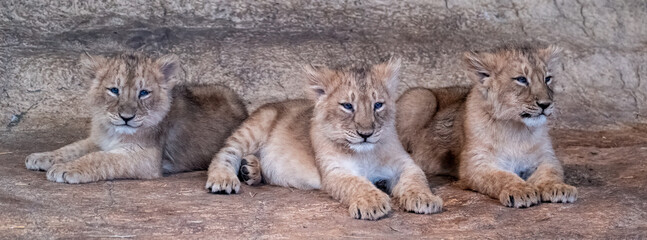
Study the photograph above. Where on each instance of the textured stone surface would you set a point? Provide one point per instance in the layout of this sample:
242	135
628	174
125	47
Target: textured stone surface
607	167
256	48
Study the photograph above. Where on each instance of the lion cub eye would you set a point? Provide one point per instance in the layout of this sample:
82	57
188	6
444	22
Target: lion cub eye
347	106
143	93
378	105
548	79
114	91
521	80
483	74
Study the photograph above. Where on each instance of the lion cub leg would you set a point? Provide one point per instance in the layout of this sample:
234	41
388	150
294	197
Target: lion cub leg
246	140
510	189
412	192
44	160
250	170
364	200
549	180
132	162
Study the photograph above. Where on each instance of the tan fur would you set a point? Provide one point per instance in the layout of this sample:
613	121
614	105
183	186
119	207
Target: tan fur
492	136
316	143
173	128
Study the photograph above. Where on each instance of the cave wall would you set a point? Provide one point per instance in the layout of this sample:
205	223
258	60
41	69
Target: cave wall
256	48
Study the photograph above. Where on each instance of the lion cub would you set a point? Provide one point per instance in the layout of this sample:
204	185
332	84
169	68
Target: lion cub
142	124
493	136
342	140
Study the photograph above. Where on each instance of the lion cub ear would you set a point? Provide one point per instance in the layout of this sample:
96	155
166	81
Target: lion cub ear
168	65
389	72
551	56
478	66
319	80
90	64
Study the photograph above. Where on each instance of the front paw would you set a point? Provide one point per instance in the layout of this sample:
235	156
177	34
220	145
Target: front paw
423	202
370	206
67	173
557	193
39	161
222	182
520	195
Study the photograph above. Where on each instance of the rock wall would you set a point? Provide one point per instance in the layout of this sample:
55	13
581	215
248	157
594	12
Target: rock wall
256	47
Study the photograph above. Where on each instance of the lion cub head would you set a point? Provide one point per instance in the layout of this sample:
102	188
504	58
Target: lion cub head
354	107
516	81
130	91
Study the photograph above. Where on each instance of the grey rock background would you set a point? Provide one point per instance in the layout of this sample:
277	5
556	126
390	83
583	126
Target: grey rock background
256	47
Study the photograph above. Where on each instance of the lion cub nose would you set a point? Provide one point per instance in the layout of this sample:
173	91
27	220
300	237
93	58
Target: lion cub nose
364	135
126	117
544	105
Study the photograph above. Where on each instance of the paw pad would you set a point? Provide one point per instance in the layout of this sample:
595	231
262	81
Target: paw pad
250	170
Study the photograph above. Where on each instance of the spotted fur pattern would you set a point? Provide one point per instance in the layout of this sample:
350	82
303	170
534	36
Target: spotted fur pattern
143	124
342	139
493	135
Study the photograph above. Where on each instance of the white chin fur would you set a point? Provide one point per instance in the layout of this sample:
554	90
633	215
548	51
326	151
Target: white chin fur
362	147
125	130
535	121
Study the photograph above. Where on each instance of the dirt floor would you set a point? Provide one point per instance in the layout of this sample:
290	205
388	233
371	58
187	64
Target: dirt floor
609	169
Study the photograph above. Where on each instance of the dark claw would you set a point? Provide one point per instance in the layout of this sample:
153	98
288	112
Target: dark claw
63	176
218	192
359	214
511	201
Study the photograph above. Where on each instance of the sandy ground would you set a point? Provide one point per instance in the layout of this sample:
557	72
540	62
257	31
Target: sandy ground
608	168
